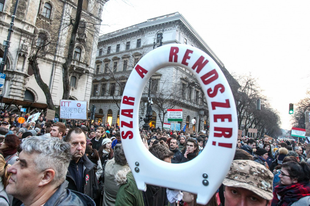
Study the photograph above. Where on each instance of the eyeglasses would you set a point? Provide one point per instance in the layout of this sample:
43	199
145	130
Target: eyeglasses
282	174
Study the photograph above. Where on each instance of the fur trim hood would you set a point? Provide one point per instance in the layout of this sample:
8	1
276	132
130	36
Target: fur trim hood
283	150
121	176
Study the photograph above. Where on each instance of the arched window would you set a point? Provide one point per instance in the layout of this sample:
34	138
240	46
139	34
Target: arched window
29	96
47	10
110	117
100	111
73	81
77	53
41	41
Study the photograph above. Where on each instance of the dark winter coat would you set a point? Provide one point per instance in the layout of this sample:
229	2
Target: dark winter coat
177	157
91	187
66	197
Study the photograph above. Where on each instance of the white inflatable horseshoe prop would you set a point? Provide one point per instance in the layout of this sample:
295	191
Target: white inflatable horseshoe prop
204	174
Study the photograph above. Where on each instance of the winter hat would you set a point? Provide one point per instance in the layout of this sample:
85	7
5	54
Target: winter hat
261	151
106	141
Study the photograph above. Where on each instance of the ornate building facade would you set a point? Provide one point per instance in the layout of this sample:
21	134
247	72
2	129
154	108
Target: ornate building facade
170	87
47	22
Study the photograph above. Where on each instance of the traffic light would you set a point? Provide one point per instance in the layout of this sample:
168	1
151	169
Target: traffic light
291	109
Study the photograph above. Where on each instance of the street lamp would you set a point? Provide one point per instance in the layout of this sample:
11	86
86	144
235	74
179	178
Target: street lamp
149	111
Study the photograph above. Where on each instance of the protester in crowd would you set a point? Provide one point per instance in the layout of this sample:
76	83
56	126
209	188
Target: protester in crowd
282	152
174	147
270	158
182	143
261	156
155	195
81	171
112	167
118	139
105	151
276	179
250	147
58	130
294	188
190	151
5	199
299	151
97	141
38	177
248	183
9	148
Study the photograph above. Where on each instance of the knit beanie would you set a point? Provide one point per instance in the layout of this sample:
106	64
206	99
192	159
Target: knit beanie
261	151
105	141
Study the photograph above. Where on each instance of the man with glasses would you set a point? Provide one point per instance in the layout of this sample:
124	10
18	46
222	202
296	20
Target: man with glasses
248	183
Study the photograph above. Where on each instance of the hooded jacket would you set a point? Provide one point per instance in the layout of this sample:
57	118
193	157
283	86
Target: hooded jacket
128	193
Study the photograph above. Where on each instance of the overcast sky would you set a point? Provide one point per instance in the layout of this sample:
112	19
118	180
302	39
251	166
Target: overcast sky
269	40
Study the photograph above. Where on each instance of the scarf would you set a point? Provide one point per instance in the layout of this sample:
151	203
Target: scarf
8	152
290	193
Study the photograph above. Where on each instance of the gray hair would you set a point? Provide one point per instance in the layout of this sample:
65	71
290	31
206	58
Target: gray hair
21	130
52	153
119	155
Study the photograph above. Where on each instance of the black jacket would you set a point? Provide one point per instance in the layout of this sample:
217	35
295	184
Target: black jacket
66	197
91	187
177	157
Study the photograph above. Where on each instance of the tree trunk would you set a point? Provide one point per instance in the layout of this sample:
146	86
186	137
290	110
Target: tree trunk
67	64
33	62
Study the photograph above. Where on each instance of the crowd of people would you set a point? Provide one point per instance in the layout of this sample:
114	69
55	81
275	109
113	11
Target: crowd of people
74	163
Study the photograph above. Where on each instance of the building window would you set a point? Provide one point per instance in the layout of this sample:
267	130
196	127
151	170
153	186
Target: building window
115	67
106	67
41	41
95	90
125	64
154	85
121	88
112	89
118	47
77	53
109	50
47	9
128	45
190	94
184	91
97	69
100	52
138	43
2	4
73	81
197	97
159	38
103	89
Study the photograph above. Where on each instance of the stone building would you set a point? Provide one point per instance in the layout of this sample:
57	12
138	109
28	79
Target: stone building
119	51
47	22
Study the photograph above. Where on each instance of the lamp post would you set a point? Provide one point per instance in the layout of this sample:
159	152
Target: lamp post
149	111
7	42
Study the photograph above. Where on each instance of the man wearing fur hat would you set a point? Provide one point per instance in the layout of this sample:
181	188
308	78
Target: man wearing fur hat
248	183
